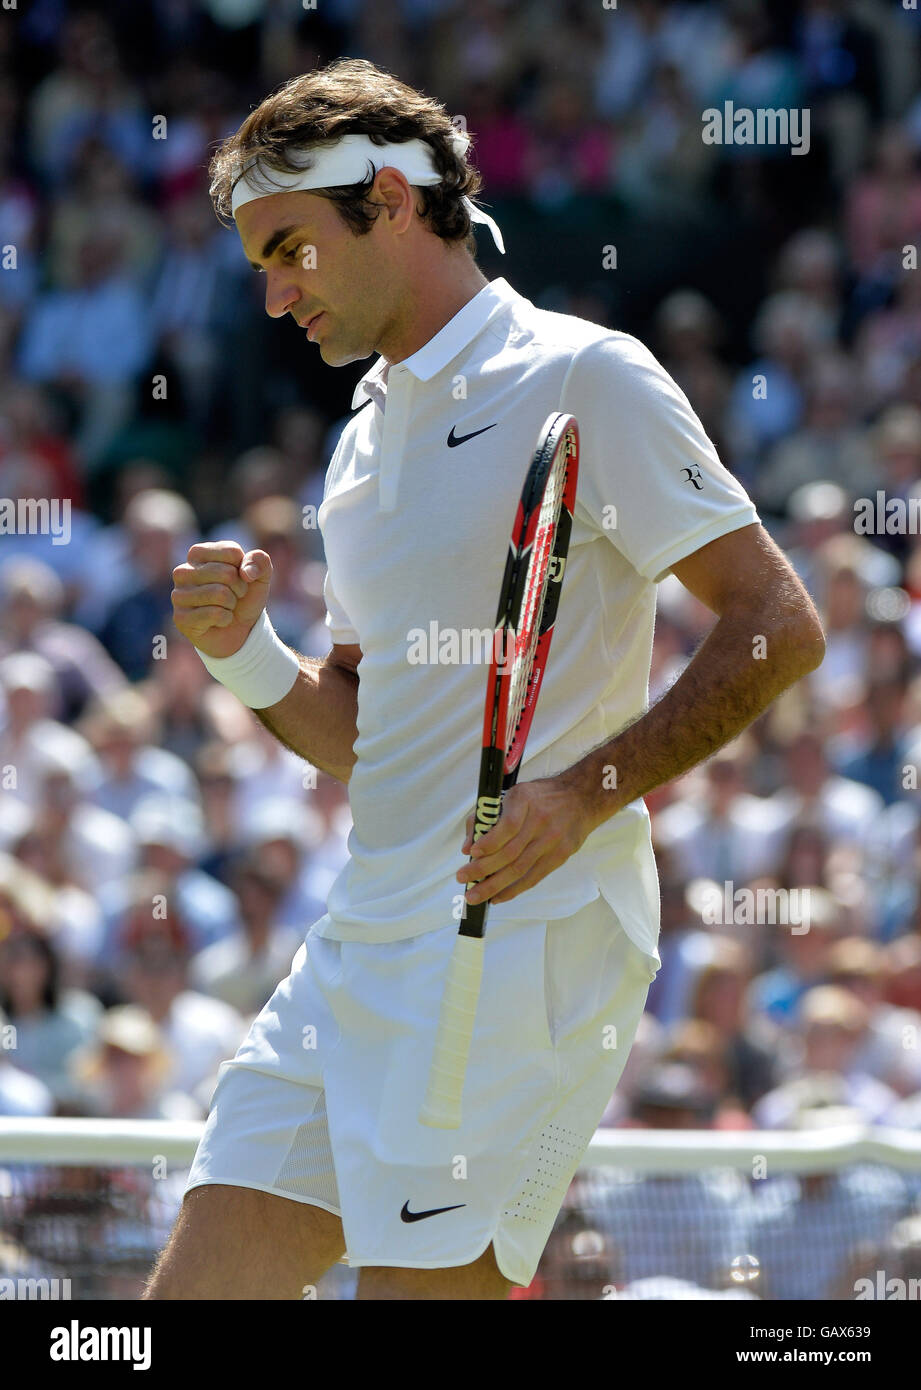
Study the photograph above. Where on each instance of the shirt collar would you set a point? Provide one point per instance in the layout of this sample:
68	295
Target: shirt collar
434	355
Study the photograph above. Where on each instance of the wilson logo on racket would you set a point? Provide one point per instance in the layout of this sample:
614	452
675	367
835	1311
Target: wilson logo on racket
488	809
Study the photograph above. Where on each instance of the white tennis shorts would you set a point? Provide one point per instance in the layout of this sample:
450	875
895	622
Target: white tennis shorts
321	1102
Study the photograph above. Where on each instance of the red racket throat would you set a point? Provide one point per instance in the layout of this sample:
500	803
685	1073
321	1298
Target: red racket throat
531	591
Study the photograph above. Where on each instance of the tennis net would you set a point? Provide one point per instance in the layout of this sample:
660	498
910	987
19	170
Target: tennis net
85	1205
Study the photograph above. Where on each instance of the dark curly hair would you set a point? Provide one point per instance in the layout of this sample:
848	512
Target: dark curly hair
350	97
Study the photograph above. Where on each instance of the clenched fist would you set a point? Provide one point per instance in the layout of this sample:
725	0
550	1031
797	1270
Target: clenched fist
219	594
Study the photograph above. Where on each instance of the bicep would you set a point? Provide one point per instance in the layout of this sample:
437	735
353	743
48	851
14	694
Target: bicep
345	656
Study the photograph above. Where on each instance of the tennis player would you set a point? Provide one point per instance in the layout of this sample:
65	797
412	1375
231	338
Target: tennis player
353	195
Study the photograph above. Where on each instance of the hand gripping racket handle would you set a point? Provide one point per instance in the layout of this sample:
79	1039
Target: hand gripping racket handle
441	1108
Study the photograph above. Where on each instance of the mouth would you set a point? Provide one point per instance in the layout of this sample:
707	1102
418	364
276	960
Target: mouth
311	325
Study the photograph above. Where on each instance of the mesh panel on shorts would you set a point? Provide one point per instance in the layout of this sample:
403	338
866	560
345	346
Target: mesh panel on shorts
308	1169
556	1158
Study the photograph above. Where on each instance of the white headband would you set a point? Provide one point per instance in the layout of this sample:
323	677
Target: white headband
346	162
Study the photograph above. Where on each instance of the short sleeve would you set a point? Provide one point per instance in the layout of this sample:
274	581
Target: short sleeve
649	476
337	620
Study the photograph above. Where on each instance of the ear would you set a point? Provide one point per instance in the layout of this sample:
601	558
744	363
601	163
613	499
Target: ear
399	198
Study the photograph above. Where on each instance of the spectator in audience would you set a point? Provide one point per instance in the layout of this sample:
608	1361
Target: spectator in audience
288	836
570	151
879	755
749	1048
257	474
185	306
90	342
21	1095
724	833
888	344
171	840
832	1027
903	976
700	1046
892	1049
802	960
96	848
71	914
123	735
30	737
180	695
244	968
846	810
690	332
33	443
767	400
50	1022
831	444
276	526
121	1073
33	597
214	770
101	194
199	1032
884	204
160	526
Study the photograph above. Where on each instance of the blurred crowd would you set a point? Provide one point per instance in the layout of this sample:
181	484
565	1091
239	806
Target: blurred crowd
161	856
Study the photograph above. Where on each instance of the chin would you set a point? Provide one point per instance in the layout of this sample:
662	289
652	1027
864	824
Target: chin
335	356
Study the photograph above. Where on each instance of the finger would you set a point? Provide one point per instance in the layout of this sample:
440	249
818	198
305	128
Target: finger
512	874
200	620
538	871
211	572
467	846
513	817
256	567
205	596
481	867
226	552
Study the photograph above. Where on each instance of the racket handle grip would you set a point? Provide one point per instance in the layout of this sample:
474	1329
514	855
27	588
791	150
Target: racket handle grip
441	1108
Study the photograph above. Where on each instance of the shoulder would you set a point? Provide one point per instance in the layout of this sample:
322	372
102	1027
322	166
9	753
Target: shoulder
615	367
585	347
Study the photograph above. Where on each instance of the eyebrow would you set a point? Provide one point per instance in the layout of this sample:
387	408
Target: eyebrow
273	242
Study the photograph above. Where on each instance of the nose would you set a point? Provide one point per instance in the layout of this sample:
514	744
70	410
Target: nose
280	294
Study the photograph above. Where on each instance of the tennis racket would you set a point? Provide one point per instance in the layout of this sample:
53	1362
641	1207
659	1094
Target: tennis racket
528	602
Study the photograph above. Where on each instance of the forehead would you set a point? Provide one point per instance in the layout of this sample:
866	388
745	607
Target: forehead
265	222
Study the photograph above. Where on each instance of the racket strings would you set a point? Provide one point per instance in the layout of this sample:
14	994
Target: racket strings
534	595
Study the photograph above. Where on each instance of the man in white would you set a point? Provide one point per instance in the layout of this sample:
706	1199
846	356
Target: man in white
352	194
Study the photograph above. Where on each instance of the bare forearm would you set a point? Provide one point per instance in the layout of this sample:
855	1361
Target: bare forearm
317	719
741	667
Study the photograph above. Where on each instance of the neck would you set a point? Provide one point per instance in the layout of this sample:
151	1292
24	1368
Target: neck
438	290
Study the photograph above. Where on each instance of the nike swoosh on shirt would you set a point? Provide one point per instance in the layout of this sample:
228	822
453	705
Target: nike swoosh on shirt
453	441
407	1215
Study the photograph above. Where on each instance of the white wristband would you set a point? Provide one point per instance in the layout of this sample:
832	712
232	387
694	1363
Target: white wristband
262	672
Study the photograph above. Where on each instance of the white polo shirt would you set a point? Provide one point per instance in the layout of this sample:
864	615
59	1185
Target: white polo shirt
416	532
